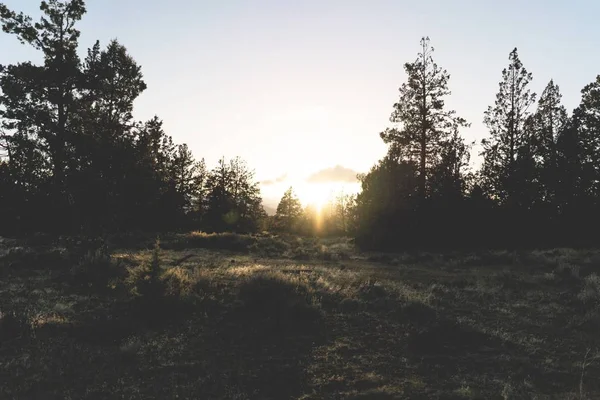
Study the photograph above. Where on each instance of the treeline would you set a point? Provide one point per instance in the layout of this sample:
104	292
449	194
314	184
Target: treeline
539	184
75	160
335	218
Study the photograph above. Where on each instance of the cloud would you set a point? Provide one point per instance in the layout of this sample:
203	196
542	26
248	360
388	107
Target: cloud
334	174
279	179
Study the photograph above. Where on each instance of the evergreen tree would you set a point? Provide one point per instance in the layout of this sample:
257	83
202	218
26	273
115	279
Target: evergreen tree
186	172
424	124
38	102
550	121
233	200
509	136
289	212
385	208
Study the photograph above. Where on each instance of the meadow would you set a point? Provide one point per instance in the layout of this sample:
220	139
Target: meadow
199	316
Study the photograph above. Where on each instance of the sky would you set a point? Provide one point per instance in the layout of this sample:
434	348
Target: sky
301	89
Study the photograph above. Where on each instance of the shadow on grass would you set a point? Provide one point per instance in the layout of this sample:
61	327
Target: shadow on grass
252	342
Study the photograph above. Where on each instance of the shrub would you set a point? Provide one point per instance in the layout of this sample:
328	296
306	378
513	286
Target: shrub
178	282
145	280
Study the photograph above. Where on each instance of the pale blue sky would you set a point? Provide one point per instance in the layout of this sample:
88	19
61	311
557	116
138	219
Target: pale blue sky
294	87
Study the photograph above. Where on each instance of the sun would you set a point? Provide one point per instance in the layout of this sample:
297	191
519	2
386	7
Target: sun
319	195
315	194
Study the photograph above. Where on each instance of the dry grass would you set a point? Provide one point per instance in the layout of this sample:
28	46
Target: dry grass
263	324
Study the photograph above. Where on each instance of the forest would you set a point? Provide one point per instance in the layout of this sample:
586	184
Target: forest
75	161
129	268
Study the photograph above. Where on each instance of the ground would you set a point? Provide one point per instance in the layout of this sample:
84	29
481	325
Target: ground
265	317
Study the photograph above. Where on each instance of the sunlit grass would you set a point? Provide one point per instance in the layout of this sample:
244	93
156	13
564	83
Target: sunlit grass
361	326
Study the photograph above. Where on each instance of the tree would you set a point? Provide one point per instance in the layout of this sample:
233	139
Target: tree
105	159
45	103
587	116
289	212
385	208
233	201
550	121
343	207
579	153
424	125
509	138
185	175
449	177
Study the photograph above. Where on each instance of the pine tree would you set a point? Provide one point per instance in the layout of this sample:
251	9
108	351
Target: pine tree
586	132
550	121
289	211
233	199
424	125
38	101
506	121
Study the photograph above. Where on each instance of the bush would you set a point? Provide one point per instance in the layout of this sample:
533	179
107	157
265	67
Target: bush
145	280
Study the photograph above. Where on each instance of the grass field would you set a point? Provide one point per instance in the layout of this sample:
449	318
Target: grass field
231	317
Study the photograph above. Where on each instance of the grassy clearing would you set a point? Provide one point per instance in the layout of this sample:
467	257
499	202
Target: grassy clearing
292	318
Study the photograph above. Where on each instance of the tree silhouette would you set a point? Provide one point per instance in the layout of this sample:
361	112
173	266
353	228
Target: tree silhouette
386	205
73	159
233	201
550	121
509	134
289	212
38	102
424	125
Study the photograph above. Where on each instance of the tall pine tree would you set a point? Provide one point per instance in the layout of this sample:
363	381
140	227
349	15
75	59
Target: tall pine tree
424	125
506	150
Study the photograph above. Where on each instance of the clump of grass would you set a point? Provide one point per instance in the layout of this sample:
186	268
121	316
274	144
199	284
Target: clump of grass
95	268
324	254
371	289
590	293
130	348
179	282
301	254
270	246
217	241
567	273
278	298
18	256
